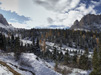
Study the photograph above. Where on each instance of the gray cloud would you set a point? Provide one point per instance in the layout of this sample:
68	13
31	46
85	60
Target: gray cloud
48	4
57	5
50	20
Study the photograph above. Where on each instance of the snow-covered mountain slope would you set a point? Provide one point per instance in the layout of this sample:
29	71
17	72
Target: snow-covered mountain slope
37	65
28	64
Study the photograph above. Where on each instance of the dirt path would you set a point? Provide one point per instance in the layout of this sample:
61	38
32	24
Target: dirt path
9	68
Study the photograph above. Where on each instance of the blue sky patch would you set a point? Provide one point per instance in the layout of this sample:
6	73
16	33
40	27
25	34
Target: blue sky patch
14	17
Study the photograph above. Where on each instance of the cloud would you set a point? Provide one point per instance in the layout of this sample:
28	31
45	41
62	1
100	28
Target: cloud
12	5
97	3
50	20
21	25
14	17
65	12
0	3
48	4
57	5
47	13
82	8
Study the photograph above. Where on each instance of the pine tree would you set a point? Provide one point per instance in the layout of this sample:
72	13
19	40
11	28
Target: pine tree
12	43
33	41
2	42
99	61
66	58
37	43
86	52
95	63
60	56
55	54
83	62
74	59
95	59
17	48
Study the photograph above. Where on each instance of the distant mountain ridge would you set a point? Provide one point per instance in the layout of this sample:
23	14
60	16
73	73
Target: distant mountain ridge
88	22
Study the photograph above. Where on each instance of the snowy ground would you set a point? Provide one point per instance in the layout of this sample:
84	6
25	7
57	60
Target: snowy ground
26	41
75	71
30	63
4	70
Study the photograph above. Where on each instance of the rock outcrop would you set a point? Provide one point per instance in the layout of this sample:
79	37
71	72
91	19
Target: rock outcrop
3	20
88	22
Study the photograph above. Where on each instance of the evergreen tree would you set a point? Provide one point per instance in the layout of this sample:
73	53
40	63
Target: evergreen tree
33	41
60	56
55	54
2	42
99	61
95	59
99	58
37	43
66	58
17	48
83	62
86	52
12	44
74	59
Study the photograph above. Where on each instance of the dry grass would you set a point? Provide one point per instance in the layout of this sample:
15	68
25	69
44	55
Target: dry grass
9	68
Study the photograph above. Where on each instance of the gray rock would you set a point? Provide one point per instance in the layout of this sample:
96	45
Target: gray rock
88	22
3	20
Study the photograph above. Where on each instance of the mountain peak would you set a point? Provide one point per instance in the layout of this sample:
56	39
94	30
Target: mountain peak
3	20
88	22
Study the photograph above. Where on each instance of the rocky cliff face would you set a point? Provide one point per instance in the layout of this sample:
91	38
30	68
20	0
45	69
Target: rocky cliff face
4	26
88	22
3	20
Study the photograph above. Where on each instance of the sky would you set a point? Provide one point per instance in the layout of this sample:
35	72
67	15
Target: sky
47	13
